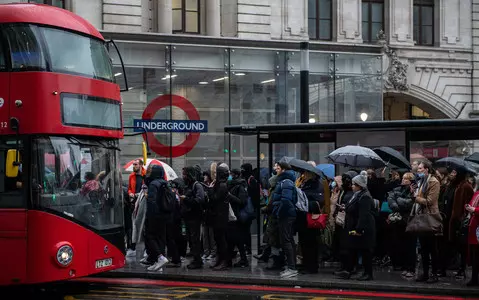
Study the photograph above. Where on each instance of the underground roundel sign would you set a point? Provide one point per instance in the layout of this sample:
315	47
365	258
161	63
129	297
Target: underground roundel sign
193	126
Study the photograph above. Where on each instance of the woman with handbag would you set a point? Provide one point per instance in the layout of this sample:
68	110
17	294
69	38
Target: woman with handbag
472	209
403	244
361	228
426	221
308	237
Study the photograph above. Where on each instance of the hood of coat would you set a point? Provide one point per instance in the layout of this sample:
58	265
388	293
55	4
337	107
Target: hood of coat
190	175
273	180
222	174
287	175
246	170
157	172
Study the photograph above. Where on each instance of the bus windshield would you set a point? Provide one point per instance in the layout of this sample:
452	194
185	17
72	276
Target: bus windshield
68	52
78	178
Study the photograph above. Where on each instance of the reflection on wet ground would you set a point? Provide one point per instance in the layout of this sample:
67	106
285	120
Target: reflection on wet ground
161	290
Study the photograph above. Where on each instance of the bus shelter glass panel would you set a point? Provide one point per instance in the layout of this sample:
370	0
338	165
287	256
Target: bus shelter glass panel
200	78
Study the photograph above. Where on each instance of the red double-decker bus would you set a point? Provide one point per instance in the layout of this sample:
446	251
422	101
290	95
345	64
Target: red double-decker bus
61	210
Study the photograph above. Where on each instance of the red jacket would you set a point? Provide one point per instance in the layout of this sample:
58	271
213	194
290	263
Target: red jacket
132	181
474	223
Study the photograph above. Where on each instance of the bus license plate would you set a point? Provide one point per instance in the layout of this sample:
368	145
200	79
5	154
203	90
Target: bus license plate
103	263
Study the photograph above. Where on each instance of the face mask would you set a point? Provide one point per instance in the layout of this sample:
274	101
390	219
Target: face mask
333	185
230	178
420	175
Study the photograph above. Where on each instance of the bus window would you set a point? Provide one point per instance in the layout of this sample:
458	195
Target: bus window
26	52
76	54
3	65
11	189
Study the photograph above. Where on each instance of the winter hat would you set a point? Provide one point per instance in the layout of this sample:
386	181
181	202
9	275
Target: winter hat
224	165
361	180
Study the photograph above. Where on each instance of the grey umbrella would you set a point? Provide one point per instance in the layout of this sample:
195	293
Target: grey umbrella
301	165
456	163
356	156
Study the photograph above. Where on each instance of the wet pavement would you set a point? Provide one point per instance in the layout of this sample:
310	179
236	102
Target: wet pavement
384	278
98	288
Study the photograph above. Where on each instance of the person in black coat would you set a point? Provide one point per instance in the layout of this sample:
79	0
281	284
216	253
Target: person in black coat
238	197
308	238
403	244
361	228
218	211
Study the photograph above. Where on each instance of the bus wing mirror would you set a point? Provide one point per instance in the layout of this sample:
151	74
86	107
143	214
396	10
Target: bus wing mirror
112	42
12	163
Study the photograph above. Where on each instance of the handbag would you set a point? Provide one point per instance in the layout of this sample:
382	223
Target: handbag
316	221
424	223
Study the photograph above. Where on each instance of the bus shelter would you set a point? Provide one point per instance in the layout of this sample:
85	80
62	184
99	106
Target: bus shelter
429	139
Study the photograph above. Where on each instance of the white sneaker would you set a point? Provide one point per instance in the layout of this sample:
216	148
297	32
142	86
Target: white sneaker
204	257
288	273
211	257
130	253
160	263
145	254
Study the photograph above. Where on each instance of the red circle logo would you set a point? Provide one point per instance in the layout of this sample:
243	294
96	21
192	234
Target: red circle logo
191	138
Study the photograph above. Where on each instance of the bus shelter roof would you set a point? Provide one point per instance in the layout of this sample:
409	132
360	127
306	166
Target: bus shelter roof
437	129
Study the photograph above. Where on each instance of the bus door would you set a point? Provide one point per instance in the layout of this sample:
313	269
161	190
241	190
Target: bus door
4	88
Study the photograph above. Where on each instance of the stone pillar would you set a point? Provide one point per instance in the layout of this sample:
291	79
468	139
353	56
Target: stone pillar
165	17
213	18
455	23
401	23
90	10
349	21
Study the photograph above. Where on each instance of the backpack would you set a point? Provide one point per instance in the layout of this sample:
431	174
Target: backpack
167	198
202	201
302	202
247	213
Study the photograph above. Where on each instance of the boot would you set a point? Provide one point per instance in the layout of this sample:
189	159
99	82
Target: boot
275	263
365	277
221	267
243	263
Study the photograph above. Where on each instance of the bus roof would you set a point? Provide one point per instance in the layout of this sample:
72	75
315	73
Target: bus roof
46	15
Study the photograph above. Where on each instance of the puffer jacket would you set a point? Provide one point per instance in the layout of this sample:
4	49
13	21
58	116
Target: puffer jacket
400	201
284	196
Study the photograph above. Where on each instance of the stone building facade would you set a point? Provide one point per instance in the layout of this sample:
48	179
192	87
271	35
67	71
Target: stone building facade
237	61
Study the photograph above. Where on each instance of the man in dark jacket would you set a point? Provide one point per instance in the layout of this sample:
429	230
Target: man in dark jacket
191	209
238	196
218	216
156	219
253	193
284	209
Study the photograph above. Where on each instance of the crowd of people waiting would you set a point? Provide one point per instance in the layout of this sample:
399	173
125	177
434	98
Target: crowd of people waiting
371	219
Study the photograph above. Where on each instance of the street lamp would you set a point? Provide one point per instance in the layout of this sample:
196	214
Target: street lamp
364	117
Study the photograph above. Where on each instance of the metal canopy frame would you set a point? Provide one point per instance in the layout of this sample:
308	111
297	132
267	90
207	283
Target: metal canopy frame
415	130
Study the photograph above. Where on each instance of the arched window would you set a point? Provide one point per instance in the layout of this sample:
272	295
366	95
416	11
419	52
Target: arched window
320	19
186	16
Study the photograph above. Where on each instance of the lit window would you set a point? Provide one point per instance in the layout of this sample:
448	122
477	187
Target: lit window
186	16
373	19
57	3
424	22
418	113
320	19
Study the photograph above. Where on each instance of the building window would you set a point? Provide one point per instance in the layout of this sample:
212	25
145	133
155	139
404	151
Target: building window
424	22
373	19
57	3
417	113
186	16
320	17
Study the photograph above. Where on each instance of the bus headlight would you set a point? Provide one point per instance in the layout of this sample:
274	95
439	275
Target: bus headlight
65	255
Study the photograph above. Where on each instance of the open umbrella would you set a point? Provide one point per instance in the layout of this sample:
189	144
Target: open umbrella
356	156
327	169
474	157
170	173
301	165
456	163
393	156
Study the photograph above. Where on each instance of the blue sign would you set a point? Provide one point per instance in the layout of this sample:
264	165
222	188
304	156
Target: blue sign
171	125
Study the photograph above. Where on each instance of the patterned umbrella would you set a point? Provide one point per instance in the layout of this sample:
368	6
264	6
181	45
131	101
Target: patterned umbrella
356	156
170	173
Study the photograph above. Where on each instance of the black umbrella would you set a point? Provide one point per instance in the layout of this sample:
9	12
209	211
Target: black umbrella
393	156
456	163
474	157
356	156
301	165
